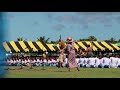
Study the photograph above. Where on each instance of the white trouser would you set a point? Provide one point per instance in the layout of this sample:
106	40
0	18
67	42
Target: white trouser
113	65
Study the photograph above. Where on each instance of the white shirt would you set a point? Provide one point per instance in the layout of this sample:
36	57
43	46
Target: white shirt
45	61
23	61
41	61
11	61
28	60
32	61
49	61
81	61
77	60
35	61
101	61
97	60
114	60
92	61
17	61
118	62
14	61
53	61
86	60
38	60
106	61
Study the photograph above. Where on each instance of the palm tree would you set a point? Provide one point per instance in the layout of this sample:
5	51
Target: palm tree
20	39
119	40
92	38
60	38
47	40
112	40
43	38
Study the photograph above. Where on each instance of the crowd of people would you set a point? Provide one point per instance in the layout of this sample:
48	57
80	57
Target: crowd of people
34	61
103	61
86	58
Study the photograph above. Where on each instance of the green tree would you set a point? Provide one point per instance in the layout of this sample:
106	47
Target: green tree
119	40
92	38
43	38
112	40
20	39
60	38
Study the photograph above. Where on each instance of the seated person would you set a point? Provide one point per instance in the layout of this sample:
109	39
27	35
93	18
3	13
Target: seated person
106	62
86	61
91	62
114	61
101	62
97	61
118	62
81	61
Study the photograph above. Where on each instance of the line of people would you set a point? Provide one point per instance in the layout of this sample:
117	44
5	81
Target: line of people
91	62
104	61
31	61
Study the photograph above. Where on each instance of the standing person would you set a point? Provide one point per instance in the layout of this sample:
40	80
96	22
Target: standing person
61	58
82	52
62	55
71	54
89	50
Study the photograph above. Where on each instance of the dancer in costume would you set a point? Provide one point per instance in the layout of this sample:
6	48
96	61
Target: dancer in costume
61	59
62	55
71	54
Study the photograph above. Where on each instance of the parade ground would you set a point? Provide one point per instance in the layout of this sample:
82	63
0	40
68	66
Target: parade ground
54	72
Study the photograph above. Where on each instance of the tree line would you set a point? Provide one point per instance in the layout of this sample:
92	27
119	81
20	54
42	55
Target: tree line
90	38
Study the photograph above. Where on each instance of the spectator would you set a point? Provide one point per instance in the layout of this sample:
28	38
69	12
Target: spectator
81	61
106	62
114	61
91	62
118	62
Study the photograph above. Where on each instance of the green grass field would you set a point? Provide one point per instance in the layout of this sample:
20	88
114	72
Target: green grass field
54	72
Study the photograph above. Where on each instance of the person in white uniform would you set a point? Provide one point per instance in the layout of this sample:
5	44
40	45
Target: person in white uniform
81	61
101	62
97	61
91	62
106	62
66	59
118	62
38	62
114	61
86	61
